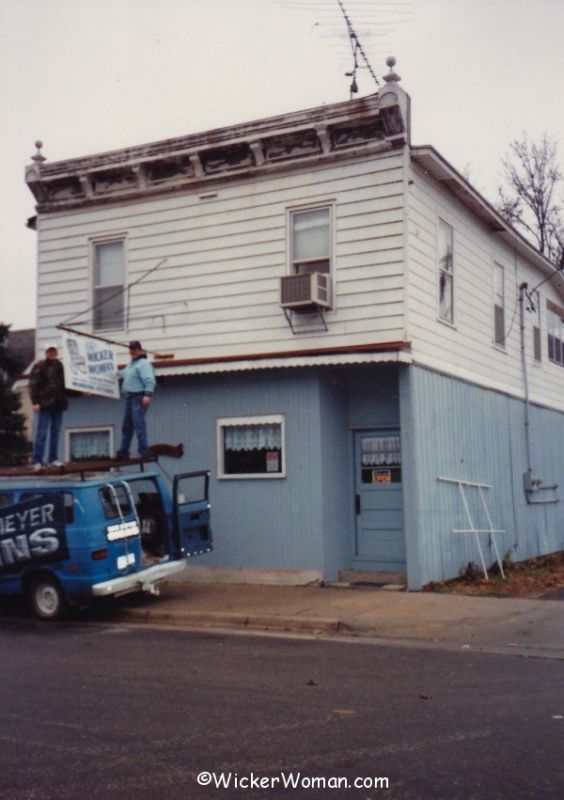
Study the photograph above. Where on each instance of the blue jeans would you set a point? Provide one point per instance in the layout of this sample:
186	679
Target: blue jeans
133	422
46	420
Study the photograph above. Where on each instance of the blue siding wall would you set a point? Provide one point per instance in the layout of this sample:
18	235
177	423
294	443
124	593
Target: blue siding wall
270	523
457	430
303	521
373	397
260	523
352	398
336	475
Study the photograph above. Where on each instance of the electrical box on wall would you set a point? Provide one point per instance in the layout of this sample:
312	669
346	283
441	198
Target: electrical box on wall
535	488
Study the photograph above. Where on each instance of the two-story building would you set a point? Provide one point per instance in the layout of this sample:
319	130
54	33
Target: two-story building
349	333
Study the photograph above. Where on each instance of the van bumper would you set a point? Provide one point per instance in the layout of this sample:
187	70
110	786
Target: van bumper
143	581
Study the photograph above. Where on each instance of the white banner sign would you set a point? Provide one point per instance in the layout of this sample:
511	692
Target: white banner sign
90	365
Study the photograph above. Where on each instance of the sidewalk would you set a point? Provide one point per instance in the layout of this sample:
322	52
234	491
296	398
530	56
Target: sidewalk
524	627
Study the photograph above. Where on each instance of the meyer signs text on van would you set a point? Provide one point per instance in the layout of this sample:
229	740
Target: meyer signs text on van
32	530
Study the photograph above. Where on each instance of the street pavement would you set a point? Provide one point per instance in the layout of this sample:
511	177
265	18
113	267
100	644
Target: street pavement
134	712
532	628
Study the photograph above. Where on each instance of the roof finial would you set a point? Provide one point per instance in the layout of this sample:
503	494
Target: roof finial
38	157
392	76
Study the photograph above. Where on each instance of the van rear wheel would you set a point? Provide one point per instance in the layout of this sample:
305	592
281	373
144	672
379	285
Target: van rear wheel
46	598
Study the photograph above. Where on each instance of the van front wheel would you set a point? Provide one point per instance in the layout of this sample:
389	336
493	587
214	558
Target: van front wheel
46	598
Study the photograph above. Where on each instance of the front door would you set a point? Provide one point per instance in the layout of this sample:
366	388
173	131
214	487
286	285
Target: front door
380	540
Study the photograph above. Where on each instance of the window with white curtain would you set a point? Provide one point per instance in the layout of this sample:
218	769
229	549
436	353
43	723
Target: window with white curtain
311	240
84	444
251	447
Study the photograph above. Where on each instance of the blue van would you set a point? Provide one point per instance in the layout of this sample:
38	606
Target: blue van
66	540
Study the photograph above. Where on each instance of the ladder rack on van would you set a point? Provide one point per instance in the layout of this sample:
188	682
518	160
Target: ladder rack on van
94	465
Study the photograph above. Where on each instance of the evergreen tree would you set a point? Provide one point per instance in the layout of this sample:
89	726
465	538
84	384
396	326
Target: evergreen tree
14	447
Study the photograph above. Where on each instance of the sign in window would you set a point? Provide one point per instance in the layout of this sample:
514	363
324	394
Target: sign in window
251	447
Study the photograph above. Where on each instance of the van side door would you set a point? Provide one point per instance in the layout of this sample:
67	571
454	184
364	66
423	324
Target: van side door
191	513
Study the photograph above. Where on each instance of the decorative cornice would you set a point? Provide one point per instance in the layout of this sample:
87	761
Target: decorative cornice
334	131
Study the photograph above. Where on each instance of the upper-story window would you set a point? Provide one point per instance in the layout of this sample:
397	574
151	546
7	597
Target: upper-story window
446	241
311	240
109	284
555	330
499	304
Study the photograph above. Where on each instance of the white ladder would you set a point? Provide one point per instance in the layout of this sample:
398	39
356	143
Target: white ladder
462	485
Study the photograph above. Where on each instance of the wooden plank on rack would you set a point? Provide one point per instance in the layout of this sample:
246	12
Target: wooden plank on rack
94	465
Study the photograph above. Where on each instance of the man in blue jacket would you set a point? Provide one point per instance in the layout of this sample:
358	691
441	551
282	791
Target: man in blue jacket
138	387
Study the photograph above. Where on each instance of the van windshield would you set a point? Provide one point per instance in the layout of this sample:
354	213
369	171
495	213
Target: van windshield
115	501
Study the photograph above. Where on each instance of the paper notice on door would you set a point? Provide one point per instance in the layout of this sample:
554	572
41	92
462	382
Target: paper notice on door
381	476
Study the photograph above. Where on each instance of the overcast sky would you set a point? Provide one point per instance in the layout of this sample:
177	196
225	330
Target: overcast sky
86	76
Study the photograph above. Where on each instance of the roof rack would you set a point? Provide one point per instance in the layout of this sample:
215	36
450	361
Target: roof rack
94	465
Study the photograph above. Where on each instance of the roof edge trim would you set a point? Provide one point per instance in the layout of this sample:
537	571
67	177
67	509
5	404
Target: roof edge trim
281	355
446	171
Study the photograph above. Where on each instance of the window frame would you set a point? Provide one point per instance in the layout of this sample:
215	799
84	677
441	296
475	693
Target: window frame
499	269
96	243
107	497
537	328
88	429
371	469
294	211
553	313
443	224
256	419
68	500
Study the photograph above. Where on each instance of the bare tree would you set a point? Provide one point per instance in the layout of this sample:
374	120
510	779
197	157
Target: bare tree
529	198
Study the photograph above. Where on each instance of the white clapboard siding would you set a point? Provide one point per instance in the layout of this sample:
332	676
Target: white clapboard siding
466	348
217	292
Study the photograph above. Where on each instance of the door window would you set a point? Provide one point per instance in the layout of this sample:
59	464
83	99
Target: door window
150	511
115	501
380	459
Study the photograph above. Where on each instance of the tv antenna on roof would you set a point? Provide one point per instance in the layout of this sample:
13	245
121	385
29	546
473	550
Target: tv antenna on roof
375	22
357	49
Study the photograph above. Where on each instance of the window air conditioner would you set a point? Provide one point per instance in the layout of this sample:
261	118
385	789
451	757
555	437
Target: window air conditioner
309	292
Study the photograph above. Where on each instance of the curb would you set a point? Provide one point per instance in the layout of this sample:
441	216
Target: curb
323	626
220	619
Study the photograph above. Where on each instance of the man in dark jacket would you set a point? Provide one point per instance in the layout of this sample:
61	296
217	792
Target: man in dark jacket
49	399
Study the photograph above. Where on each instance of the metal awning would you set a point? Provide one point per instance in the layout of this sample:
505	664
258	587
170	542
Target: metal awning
329	360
